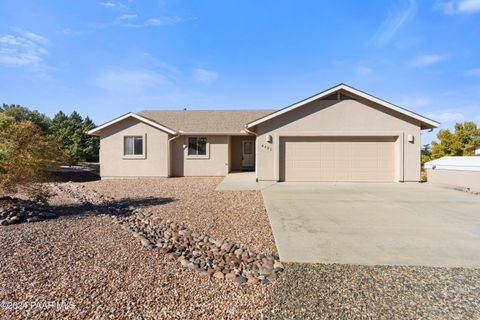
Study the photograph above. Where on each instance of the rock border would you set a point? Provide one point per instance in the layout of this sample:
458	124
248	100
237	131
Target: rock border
14	211
209	256
213	258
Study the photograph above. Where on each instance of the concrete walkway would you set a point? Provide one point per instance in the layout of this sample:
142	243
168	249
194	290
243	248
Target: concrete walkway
374	223
239	181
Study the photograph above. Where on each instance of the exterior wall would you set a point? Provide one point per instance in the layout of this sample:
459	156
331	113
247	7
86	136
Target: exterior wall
236	152
340	118
464	179
113	164
216	164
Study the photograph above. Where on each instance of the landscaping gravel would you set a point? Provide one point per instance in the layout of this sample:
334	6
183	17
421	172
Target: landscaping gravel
82	265
331	291
237	216
86	266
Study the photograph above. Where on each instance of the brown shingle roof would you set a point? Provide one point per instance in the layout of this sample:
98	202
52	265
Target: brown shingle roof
205	121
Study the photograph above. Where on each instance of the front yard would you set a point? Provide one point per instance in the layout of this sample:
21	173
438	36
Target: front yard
238	216
84	265
94	268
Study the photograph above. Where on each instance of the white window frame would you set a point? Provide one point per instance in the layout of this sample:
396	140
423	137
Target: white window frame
196	156
135	156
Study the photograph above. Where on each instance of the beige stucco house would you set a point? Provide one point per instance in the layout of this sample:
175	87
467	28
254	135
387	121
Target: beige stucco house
340	134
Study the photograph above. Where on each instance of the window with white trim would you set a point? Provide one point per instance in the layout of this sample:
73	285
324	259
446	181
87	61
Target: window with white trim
197	146
133	145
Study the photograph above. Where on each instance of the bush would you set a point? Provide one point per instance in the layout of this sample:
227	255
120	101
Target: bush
26	153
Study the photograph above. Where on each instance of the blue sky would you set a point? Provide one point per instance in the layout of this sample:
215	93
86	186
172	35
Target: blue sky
105	58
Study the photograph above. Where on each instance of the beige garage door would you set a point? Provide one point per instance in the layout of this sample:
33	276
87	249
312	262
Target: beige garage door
337	159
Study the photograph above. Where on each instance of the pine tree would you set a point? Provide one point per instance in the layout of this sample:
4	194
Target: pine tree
91	144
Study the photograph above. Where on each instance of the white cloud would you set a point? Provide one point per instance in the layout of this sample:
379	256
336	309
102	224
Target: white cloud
128	80
364	71
427	59
162	21
204	76
127	17
416	102
108	4
469	6
134	21
447	116
472	72
396	18
32	36
70	32
158	21
459	6
24	50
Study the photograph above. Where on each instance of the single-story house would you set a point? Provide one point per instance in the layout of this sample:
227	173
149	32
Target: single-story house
340	134
461	172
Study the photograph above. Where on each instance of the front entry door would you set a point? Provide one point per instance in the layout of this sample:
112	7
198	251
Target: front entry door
248	158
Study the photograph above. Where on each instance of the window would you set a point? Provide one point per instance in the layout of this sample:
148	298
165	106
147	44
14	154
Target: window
133	145
247	147
197	146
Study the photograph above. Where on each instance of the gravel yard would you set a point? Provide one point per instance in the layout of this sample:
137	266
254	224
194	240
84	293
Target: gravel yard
99	270
84	265
332	291
238	216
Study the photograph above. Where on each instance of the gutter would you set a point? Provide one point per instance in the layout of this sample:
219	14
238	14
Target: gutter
177	135
251	132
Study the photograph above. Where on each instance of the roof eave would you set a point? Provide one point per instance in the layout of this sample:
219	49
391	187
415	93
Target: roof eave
98	130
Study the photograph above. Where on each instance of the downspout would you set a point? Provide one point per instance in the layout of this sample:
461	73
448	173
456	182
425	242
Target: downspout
256	151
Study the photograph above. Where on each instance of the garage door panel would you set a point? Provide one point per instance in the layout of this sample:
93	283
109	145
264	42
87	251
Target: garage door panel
338	158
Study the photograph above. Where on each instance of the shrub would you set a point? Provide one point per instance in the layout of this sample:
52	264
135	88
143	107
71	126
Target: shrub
26	153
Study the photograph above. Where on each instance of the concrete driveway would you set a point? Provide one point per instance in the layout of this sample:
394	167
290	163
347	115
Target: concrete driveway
374	223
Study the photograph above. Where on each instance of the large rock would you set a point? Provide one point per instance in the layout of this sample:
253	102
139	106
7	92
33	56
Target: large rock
265	270
240	280
33	219
217	243
230	276
278	266
14	219
238	252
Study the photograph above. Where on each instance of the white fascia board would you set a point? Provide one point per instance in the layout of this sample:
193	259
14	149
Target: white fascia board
239	133
133	115
347	89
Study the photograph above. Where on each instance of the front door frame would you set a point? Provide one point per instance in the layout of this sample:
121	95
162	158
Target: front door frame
250	161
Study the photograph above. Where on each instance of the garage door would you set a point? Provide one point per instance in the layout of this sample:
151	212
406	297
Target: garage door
337	159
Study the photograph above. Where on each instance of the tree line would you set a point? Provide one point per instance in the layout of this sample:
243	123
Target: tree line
456	143
31	144
69	131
